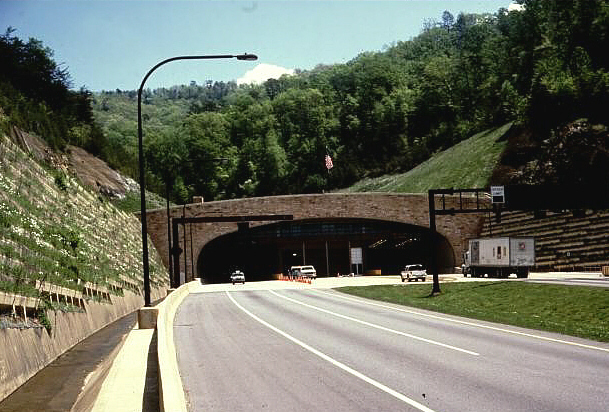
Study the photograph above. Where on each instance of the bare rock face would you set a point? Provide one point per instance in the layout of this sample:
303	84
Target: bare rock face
38	149
95	173
576	153
91	171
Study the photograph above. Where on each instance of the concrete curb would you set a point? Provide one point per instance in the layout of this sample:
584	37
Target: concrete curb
171	391
125	385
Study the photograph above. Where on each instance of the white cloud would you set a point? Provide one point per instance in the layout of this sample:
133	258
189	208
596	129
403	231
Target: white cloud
515	7
262	73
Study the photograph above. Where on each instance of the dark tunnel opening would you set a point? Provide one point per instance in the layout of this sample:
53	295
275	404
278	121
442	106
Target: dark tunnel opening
331	245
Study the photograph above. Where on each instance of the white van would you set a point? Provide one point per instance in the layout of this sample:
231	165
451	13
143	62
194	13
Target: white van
303	271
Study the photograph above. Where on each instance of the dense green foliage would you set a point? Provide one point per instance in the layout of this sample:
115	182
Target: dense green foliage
573	310
35	95
382	112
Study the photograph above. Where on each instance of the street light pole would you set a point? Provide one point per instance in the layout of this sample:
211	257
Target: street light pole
146	266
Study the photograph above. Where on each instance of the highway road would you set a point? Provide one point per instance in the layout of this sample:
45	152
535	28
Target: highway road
599	283
319	350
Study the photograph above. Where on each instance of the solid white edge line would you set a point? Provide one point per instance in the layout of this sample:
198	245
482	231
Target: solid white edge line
334	362
372	325
591	280
463	322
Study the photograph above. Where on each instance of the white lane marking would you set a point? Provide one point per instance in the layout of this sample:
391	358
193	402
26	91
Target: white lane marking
336	363
463	322
599	281
372	325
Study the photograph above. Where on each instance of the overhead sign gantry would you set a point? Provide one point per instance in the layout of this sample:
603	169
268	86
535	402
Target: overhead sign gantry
536	198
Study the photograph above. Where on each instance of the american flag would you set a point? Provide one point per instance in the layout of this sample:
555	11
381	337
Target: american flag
329	164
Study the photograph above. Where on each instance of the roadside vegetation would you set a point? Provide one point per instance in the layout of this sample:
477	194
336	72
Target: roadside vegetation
544	69
381	113
36	96
571	310
131	202
469	163
385	112
59	238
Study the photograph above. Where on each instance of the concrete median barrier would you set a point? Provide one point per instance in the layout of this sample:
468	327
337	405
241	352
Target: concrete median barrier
171	391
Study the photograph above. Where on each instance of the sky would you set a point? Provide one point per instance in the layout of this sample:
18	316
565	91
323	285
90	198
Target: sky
111	44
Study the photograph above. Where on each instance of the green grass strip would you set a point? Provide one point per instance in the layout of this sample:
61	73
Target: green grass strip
571	310
469	163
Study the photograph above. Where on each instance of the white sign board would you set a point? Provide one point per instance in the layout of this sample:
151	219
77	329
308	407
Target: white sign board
356	256
498	194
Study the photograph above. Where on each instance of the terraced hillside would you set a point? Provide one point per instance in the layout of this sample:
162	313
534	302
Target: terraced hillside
70	263
55	234
563	242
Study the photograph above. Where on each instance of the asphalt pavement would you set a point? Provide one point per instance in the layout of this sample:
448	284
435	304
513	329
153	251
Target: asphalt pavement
307	348
598	282
291	346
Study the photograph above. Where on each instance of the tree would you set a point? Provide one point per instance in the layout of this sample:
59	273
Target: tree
207	141
448	20
166	156
306	124
381	112
35	93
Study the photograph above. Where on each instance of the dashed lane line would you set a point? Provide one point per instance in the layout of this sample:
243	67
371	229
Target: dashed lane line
463	322
372	325
336	363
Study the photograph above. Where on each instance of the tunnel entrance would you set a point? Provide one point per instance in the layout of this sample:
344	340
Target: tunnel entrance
331	245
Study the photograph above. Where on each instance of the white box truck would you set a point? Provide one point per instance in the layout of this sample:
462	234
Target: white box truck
499	257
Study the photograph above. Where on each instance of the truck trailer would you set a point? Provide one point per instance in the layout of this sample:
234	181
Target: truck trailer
499	257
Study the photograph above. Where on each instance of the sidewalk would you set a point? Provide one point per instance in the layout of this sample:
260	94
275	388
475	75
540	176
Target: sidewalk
132	383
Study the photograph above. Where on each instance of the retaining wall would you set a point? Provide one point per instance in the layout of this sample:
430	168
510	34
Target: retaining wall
26	351
563	242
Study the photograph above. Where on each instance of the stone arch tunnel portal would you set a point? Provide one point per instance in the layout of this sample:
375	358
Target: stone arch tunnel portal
333	246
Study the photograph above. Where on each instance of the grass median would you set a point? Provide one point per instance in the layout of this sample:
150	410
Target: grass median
570	310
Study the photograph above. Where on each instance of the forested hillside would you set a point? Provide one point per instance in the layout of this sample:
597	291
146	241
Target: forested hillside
382	112
544	67
35	96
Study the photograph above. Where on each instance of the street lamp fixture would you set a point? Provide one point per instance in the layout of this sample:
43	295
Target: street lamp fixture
146	266
247	56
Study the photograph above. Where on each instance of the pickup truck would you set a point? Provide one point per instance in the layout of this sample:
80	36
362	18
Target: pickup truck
415	272
303	271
